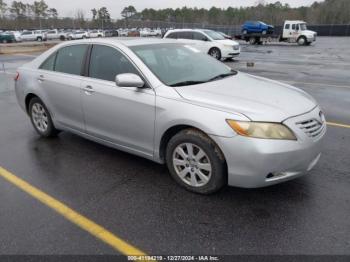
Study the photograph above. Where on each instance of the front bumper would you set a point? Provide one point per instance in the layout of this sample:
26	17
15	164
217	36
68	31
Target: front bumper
256	162
230	52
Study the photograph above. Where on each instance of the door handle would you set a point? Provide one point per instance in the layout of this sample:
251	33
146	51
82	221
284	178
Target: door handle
88	90
41	78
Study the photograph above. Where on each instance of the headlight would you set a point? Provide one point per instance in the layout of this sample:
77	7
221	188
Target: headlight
262	130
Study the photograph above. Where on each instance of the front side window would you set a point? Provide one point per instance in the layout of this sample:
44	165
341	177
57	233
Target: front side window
287	26
199	36
214	35
180	65
107	62
70	59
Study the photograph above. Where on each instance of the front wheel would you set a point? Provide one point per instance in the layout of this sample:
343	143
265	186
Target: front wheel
195	162
301	40
215	52
41	119
39	39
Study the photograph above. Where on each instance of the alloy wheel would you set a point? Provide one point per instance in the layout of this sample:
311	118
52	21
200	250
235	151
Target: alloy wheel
40	117
192	164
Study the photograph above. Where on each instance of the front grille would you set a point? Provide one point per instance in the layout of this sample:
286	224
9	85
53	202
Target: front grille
311	127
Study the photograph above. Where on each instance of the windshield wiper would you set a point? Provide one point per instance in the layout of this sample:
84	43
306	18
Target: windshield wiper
188	83
221	76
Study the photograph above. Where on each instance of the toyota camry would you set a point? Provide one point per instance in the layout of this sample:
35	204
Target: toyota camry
168	102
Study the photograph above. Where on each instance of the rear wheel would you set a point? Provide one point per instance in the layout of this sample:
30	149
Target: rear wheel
264	32
245	32
39	39
41	119
195	162
4	41
215	52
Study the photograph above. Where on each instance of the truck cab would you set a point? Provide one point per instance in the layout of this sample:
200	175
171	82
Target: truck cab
296	31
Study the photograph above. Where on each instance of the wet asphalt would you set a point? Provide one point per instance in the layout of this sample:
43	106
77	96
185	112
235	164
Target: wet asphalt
137	200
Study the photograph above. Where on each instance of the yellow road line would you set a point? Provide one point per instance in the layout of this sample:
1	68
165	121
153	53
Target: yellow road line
73	216
338	125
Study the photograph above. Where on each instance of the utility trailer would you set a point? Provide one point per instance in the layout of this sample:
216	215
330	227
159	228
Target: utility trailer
293	31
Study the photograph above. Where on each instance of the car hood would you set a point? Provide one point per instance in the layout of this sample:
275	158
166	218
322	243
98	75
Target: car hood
227	42
257	98
309	32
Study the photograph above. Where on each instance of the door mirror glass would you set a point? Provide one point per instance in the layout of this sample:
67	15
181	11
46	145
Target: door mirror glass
129	80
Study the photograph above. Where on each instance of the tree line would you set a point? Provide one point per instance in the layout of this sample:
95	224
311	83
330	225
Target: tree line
17	14
325	12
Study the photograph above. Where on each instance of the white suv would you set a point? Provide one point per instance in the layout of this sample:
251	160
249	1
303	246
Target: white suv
207	41
96	33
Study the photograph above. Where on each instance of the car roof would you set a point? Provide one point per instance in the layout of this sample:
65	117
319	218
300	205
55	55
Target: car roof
127	41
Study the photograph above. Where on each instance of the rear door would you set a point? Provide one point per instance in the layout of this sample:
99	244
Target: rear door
60	79
121	115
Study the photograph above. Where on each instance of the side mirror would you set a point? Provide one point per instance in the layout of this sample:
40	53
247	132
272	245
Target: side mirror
129	80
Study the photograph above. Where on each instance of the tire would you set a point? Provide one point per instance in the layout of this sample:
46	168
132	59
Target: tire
84	37
39	39
264	32
252	40
4	41
62	38
215	52
244	32
302	40
188	173
41	118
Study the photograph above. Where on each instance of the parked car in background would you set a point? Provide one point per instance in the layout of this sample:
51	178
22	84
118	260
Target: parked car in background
16	34
133	33
250	27
111	33
165	101
123	32
7	38
36	35
56	34
79	34
207	41
96	33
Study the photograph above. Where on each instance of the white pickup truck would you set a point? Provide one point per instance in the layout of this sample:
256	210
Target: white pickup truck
37	35
56	34
293	31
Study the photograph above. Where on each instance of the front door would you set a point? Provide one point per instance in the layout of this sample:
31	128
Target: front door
121	115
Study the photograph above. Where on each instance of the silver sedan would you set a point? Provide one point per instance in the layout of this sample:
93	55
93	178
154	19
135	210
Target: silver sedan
170	103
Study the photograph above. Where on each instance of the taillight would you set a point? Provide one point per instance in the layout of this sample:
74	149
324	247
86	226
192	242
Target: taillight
16	77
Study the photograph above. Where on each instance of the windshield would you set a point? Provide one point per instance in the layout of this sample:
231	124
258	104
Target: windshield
180	65
214	35
303	27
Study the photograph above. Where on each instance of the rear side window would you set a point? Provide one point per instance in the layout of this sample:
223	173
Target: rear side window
287	26
70	59
172	35
185	35
49	63
107	62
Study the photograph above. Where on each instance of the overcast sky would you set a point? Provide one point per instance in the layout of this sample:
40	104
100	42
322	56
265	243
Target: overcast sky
69	7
